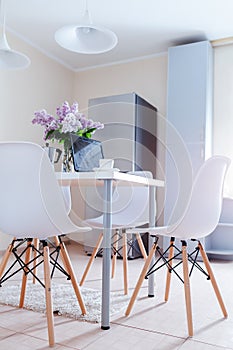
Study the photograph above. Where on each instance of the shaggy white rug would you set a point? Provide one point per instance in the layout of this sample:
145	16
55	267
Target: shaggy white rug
64	300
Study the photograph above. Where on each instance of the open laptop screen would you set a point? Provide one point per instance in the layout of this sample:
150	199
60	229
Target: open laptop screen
86	153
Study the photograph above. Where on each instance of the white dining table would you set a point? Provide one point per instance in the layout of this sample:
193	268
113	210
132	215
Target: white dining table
108	179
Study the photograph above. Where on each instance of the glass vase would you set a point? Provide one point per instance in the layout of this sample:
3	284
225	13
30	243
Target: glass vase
67	161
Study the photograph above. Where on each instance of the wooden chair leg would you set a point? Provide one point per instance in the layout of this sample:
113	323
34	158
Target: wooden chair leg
90	262
125	263
141	246
68	266
168	279
25	275
141	279
187	288
114	257
48	296
36	245
6	257
212	279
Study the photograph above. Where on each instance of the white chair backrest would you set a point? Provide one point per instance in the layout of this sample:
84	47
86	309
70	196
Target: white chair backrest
131	204
31	200
203	210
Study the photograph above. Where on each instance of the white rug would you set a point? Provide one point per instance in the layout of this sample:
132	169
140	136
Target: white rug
64	300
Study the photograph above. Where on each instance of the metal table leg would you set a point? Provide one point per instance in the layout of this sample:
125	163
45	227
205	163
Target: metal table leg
107	223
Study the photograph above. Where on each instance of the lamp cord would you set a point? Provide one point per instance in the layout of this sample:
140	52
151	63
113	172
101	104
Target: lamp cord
86	17
3	41
2	14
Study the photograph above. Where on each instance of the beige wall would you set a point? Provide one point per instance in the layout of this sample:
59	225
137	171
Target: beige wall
148	78
45	84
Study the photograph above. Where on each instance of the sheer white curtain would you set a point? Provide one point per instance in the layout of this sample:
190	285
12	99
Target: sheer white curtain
223	109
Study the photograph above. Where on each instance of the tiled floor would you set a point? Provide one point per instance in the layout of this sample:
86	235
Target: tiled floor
152	325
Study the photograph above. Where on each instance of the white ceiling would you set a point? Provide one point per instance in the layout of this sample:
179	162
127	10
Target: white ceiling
143	27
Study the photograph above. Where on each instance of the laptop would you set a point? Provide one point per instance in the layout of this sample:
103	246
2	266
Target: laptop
86	153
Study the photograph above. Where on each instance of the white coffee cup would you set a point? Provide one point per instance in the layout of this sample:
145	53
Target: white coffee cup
106	163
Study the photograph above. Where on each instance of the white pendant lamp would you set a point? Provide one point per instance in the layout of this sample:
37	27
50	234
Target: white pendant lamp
85	37
9	59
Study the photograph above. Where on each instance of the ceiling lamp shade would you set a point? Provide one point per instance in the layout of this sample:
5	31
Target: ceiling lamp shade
85	37
9	59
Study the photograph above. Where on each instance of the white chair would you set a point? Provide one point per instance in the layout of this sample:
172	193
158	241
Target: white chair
199	219
32	206
126	213
68	204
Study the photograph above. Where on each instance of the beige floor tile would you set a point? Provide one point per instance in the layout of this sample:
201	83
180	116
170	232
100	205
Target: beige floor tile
128	338
194	345
5	333
21	341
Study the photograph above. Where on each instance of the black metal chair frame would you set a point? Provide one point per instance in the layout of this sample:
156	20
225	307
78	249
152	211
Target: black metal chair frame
118	251
38	259
192	258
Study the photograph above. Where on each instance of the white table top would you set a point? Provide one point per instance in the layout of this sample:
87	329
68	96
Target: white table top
86	178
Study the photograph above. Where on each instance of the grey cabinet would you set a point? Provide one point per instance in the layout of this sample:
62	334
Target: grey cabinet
189	121
129	135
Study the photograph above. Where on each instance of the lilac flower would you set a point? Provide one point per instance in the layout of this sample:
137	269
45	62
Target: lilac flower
98	125
84	122
63	110
68	119
74	108
53	125
42	117
71	123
